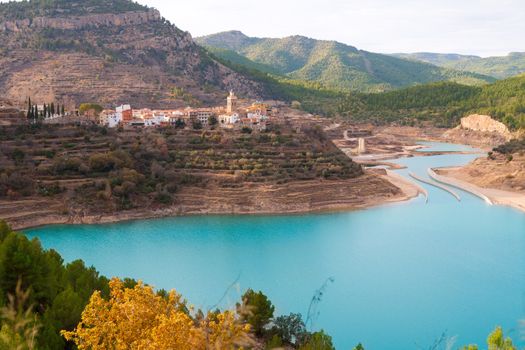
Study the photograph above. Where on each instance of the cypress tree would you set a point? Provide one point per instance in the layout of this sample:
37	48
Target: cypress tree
45	111
52	108
29	108
63	110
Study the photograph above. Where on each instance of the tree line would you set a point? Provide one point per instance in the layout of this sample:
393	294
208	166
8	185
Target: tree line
34	113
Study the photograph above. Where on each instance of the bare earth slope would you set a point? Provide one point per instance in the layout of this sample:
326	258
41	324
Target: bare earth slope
496	173
76	54
501	180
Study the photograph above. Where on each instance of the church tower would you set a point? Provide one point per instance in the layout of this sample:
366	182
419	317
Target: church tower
231	105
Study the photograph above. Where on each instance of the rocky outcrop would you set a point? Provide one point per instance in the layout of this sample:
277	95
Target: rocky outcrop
480	131
75	23
485	123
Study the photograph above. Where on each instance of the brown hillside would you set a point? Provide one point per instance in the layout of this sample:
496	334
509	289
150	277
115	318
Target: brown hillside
75	54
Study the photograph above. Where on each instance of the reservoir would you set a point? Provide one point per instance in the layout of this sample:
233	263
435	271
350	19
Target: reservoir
400	276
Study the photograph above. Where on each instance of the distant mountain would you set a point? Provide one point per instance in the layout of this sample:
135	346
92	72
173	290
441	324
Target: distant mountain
500	67
106	51
331	63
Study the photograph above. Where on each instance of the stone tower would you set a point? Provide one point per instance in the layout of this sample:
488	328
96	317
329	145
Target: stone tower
231	105
361	148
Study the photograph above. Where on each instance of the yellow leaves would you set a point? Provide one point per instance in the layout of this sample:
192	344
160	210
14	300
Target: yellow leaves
139	319
497	341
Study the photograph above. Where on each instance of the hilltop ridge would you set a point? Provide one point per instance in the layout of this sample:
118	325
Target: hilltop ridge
333	64
500	67
108	52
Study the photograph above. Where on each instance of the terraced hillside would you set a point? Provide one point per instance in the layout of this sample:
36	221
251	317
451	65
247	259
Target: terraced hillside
78	174
333	64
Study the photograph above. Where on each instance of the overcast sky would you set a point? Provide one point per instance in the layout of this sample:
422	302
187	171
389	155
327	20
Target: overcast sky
481	27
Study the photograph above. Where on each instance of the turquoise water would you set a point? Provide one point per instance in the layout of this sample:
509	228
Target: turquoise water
404	274
445	147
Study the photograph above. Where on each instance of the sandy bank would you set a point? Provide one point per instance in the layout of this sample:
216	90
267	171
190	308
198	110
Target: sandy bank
496	196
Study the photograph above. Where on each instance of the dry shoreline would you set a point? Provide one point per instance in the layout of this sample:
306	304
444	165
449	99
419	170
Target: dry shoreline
498	197
406	190
376	188
296	199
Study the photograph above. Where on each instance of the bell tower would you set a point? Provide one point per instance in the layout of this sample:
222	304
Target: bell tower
231	105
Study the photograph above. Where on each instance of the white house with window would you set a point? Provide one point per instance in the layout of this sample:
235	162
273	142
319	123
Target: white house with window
229	119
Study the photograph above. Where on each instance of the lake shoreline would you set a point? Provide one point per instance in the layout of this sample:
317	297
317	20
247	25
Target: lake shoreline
377	187
407	190
496	196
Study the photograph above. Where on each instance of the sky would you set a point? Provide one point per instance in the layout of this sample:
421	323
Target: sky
479	27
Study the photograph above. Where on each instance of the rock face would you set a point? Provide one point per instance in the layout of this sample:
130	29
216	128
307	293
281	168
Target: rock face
81	54
75	23
485	123
480	131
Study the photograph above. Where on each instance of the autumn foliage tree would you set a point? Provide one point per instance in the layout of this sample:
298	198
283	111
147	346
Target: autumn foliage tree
495	341
139	318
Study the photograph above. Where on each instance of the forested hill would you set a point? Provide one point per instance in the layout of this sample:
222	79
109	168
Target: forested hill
442	104
333	64
500	67
109	52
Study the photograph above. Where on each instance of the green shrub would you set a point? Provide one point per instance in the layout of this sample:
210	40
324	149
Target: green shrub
259	310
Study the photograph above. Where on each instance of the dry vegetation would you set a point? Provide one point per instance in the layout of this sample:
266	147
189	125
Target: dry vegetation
52	171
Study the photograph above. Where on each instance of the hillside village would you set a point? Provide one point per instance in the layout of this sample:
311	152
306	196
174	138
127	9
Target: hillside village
256	116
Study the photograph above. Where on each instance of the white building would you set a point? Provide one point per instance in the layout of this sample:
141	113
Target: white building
109	118
229	119
155	119
113	120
